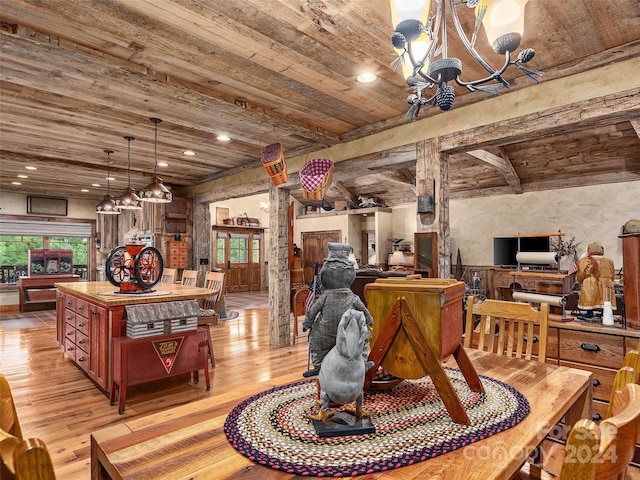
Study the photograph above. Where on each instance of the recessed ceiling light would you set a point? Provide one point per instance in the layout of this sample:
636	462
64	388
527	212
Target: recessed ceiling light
366	77
223	138
84	190
163	164
95	184
189	153
111	179
30	168
23	176
16	183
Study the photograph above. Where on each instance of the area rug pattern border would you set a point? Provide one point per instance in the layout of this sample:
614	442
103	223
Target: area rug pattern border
412	425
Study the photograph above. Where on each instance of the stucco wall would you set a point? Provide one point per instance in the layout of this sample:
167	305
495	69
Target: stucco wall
591	214
16	204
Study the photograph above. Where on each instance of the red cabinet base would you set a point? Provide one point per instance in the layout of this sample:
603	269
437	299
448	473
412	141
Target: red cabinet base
142	360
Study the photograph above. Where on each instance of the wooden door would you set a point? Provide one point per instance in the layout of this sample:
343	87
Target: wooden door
315	250
239	253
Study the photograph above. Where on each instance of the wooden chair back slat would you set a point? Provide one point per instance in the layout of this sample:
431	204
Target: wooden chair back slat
190	278
515	324
20	459
8	414
169	275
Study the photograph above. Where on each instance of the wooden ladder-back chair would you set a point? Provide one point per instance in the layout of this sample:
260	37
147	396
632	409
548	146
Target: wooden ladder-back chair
190	278
298	309
508	328
210	306
612	443
629	373
20	459
9	422
169	275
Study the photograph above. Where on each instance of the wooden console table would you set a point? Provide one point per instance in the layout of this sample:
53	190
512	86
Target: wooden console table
142	360
39	292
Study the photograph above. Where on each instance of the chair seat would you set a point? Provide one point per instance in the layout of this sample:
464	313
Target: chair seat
207	316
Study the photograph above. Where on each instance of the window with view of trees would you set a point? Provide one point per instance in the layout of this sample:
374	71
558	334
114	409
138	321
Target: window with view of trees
14	251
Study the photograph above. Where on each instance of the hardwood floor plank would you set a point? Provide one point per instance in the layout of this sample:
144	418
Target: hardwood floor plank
57	403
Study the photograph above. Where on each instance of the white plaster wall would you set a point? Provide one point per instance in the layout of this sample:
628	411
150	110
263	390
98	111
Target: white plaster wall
404	221
16	204
591	214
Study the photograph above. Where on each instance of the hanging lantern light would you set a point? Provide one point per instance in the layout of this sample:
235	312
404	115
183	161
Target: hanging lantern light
129	200
108	206
156	192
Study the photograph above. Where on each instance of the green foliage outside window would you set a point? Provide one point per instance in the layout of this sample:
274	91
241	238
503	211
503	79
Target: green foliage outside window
14	250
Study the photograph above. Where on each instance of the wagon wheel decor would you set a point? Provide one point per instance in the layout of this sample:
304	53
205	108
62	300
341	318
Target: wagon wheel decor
148	267
134	268
116	266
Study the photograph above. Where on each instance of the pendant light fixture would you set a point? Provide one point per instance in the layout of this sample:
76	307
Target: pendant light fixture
108	206
156	192
129	200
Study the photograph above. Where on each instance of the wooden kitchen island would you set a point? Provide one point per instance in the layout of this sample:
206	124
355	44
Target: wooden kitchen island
90	314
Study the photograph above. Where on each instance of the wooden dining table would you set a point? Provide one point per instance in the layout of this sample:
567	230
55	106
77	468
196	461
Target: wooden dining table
188	441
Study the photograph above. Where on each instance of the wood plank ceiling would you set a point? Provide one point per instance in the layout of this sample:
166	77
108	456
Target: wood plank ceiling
79	75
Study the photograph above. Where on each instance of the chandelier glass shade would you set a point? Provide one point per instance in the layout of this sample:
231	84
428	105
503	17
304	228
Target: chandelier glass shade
156	192
108	206
129	200
420	39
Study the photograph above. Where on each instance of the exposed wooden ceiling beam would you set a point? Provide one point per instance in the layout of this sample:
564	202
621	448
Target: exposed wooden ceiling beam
502	163
635	123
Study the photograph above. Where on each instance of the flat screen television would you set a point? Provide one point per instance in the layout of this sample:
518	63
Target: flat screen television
506	248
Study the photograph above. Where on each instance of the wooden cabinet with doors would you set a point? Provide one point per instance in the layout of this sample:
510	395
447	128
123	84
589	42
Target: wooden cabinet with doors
426	254
239	252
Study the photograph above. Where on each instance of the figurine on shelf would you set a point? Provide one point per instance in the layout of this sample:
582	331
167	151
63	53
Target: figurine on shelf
596	273
337	274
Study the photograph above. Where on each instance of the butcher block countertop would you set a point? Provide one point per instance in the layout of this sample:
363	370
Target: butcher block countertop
103	293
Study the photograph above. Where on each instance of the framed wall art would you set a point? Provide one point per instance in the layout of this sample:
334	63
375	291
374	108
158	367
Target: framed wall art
47	206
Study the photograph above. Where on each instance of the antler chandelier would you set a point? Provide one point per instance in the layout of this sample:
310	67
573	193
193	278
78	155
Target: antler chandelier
420	36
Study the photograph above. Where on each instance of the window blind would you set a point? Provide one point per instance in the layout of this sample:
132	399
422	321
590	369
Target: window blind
33	228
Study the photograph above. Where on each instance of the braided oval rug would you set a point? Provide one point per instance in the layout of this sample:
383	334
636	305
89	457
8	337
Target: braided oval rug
412	425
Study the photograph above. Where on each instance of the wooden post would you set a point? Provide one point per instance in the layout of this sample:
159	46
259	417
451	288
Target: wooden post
431	166
279	275
201	237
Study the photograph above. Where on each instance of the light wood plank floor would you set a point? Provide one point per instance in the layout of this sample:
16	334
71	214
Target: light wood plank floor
59	404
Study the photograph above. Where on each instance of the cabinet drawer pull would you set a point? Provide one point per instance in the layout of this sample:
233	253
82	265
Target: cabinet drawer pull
69	318
596	417
596	382
69	334
590	347
69	302
81	325
526	338
81	359
80	307
80	342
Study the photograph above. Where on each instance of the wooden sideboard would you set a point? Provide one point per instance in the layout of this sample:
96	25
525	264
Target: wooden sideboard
89	315
38	292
